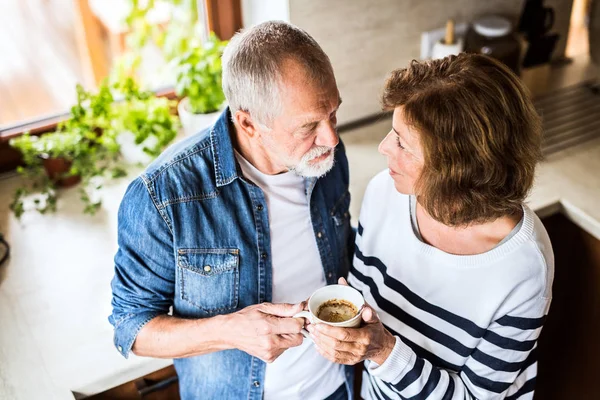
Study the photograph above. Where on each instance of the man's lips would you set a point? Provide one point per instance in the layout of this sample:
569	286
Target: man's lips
321	157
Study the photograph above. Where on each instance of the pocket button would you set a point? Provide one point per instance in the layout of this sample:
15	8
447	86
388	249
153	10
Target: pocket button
207	268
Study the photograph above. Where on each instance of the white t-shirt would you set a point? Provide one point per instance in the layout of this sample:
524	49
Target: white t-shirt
300	372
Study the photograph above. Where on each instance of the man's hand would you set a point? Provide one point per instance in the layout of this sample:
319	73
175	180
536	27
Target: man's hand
265	330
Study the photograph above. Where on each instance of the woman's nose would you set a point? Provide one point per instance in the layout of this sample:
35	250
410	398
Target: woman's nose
383	146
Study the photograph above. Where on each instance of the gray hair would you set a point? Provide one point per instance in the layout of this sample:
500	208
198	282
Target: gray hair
252	67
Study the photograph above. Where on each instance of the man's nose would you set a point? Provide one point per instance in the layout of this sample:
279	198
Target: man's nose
327	135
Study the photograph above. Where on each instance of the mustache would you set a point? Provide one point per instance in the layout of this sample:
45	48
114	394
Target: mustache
317	152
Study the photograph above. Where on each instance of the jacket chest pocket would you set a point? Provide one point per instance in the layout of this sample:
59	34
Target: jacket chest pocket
209	278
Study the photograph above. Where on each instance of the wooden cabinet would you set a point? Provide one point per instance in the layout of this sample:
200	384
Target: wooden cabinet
159	385
569	346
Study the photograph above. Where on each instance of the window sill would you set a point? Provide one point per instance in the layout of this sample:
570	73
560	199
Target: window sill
11	158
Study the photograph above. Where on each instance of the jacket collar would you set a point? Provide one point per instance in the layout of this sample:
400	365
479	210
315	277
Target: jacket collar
222	148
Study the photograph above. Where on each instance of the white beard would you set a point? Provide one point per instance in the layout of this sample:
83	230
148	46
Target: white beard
314	170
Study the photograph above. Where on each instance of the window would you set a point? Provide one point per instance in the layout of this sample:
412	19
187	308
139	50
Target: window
48	47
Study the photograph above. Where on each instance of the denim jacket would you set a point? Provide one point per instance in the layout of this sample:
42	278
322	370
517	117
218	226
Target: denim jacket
194	236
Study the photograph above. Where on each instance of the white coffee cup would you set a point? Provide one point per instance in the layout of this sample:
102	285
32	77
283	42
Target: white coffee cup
331	292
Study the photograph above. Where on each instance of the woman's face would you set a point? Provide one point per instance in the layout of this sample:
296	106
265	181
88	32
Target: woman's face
402	147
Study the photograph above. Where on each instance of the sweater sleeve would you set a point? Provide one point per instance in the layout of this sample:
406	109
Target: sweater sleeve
502	366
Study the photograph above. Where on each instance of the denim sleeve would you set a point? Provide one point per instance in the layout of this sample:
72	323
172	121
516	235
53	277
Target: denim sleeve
143	285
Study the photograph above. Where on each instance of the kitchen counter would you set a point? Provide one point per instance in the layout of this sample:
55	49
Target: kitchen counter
55	295
569	182
55	290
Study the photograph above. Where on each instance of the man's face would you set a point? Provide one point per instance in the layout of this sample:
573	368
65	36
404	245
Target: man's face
303	137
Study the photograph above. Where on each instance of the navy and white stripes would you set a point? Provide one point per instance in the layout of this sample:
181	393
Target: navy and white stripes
466	326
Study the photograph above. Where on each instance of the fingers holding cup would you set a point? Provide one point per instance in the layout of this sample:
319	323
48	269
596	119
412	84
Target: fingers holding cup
326	339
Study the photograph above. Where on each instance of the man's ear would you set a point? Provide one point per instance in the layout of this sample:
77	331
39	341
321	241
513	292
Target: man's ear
245	122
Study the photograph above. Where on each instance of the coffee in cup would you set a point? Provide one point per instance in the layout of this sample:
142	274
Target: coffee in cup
336	310
335	305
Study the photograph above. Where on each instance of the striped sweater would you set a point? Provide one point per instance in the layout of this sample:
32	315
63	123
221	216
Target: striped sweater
466	327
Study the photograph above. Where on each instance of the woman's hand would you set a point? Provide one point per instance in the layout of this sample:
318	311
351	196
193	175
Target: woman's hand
353	345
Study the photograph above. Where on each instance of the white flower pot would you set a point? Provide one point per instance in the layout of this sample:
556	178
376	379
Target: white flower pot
194	123
134	153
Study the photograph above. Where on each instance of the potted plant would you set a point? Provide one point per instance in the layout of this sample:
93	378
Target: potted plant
86	147
74	152
143	124
198	83
62	159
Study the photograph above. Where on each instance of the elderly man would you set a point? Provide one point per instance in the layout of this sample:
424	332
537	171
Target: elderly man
235	225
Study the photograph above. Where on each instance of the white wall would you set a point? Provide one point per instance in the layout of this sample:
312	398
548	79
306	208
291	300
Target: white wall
367	39
256	11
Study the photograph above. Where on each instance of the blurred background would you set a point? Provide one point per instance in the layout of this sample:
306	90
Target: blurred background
91	91
48	46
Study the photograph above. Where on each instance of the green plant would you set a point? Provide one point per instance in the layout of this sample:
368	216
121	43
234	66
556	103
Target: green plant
87	143
183	31
194	63
198	76
32	149
145	116
83	156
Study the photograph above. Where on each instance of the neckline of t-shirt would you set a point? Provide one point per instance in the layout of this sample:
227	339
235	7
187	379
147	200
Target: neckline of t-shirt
254	174
520	237
412	201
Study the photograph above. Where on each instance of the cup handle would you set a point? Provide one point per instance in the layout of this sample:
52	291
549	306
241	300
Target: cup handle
308	316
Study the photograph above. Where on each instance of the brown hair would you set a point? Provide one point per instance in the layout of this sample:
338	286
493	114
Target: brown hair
480	133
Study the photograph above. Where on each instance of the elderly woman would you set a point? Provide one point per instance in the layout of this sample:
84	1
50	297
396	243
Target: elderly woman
457	269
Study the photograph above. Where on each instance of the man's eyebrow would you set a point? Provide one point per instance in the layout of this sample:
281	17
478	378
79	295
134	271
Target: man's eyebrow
313	122
310	123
